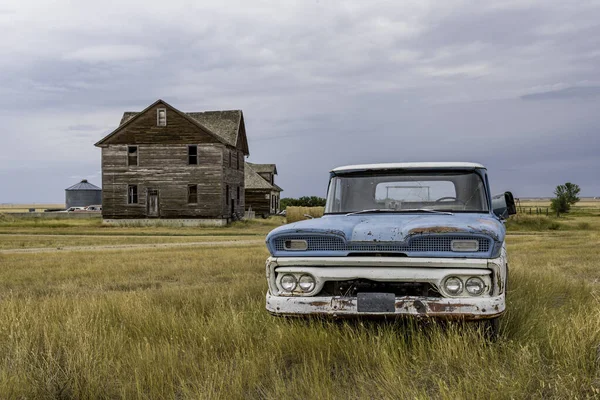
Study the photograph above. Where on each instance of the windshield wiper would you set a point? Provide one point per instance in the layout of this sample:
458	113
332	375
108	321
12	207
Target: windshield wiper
391	210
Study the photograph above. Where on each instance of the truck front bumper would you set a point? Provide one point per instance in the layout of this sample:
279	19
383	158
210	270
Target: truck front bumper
338	306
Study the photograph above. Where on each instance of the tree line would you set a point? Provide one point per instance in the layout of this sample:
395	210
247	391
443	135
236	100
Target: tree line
304	201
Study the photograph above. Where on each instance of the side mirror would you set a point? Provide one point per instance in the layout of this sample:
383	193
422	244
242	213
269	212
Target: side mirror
503	205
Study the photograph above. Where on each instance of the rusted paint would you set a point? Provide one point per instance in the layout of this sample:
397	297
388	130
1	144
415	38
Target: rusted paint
435	229
420	307
319	303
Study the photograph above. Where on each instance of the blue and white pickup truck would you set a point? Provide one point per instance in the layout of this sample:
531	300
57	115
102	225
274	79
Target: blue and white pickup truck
406	239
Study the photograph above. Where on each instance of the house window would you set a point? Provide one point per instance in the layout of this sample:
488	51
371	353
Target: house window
227	194
238	195
132	194
132	156
161	117
192	194
192	154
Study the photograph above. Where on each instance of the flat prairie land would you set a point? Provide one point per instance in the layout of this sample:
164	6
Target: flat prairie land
188	321
18	208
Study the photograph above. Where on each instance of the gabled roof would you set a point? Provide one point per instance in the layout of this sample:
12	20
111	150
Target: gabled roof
83	185
252	180
263	167
226	126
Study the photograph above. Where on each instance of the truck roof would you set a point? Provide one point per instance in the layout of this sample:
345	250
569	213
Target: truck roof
411	165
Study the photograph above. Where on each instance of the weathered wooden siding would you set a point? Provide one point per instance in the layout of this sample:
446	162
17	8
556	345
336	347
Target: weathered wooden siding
163	167
233	176
255	198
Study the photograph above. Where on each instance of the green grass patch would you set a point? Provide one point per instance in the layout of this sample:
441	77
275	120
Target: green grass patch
522	222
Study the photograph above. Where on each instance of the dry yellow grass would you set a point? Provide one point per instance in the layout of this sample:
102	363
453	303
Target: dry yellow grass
294	214
190	323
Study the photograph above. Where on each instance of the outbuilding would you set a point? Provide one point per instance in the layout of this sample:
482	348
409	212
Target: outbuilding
262	194
83	194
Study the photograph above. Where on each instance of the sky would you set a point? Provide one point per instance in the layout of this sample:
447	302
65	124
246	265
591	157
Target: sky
514	85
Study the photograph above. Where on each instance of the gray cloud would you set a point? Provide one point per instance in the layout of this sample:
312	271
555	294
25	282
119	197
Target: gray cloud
320	83
580	92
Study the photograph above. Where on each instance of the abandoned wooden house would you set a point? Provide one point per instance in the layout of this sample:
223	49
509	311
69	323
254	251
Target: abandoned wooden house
262	194
162	163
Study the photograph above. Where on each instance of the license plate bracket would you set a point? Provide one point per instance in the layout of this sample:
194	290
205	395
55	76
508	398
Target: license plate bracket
376	302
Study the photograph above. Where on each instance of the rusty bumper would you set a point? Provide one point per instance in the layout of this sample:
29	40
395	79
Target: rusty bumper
448	308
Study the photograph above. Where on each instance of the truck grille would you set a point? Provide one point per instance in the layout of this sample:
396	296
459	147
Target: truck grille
418	244
400	289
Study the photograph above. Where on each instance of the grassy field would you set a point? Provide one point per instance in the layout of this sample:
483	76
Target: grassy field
17	208
294	214
189	322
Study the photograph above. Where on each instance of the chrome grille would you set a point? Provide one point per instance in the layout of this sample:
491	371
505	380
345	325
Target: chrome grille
418	244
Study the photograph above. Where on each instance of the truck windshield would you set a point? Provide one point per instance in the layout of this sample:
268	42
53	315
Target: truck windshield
407	191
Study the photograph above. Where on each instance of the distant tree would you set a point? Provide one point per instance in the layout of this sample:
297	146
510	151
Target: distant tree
566	196
304	201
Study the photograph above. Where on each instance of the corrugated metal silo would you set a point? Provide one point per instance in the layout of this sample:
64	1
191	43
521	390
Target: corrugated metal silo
83	194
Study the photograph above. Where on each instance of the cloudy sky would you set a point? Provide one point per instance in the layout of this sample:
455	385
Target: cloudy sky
512	84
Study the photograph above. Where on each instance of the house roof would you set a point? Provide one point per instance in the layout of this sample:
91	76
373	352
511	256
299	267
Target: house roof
263	167
224	125
252	180
83	185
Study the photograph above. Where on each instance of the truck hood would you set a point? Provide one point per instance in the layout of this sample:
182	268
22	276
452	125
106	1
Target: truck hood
390	227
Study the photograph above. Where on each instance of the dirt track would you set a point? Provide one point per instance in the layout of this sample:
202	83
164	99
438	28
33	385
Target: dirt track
223	243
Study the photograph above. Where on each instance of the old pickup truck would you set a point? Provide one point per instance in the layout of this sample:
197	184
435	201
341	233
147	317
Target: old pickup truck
405	239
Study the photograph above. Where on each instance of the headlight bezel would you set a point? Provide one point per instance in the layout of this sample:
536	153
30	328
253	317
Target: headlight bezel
313	283
473	279
292	288
460	289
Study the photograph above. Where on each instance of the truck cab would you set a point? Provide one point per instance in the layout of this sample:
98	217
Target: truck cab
422	240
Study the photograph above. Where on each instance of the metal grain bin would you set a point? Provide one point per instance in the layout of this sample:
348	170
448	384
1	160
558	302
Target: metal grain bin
83	194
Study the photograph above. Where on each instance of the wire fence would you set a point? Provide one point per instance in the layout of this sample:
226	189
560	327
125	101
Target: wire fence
534	210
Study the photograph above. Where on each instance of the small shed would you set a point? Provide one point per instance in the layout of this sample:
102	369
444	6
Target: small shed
83	194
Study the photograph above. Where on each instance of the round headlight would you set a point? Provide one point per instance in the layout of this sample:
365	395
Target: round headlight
306	283
453	285
475	286
288	282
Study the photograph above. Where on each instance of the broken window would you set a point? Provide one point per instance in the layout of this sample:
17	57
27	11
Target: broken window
161	117
192	194
227	194
132	156
132	194
238	195
192	154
